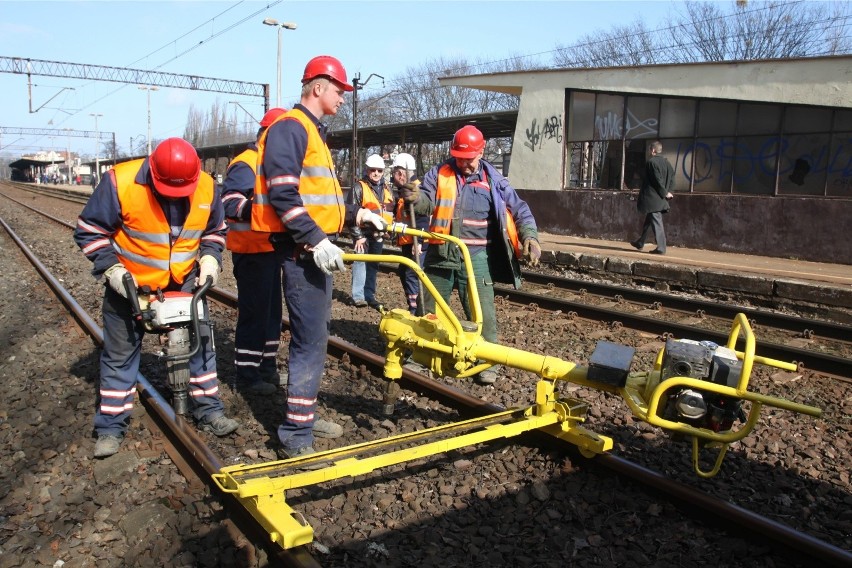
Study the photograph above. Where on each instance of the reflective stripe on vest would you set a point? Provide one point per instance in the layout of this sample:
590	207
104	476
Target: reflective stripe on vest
318	186
240	237
445	202
143	242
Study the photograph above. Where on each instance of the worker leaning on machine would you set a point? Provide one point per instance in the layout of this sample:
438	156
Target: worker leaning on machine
161	220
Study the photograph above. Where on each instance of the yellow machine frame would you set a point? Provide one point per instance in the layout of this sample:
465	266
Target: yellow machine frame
452	348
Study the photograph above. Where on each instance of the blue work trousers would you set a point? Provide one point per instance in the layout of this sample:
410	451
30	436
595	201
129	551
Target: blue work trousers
410	282
258	332
365	274
307	293
120	367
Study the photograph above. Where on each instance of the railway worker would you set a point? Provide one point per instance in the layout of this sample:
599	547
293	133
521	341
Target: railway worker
299	201
469	199
258	274
404	173
161	220
373	193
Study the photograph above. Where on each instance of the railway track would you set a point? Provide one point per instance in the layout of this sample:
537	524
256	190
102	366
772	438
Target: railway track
365	362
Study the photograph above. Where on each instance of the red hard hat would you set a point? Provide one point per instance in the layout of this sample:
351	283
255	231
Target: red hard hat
175	167
326	66
467	143
271	115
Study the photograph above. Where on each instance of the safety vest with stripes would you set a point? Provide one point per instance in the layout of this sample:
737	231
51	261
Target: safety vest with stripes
371	202
319	189
240	237
144	243
445	203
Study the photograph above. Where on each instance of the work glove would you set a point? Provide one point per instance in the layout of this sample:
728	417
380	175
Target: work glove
115	278
532	251
207	266
361	245
410	192
328	257
367	217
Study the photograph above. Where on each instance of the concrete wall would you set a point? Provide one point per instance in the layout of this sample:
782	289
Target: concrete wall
808	229
537	148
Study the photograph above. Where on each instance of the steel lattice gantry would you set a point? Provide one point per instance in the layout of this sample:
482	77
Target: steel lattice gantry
26	66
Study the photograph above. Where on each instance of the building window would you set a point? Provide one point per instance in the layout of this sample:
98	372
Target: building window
714	146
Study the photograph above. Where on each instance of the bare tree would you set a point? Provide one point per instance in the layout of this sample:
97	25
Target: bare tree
706	31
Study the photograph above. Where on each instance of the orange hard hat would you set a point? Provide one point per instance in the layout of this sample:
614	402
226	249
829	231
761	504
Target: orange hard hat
468	142
271	115
175	167
326	66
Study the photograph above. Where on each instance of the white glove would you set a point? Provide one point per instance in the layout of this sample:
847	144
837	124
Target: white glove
207	266
328	257
367	217
115	278
361	245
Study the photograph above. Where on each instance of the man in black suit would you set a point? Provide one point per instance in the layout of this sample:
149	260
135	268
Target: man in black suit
654	197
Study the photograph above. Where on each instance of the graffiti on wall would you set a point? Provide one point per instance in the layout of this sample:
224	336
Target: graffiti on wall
728	158
609	125
538	134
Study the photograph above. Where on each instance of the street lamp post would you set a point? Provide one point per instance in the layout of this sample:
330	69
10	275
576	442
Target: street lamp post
280	26
97	145
149	89
353	159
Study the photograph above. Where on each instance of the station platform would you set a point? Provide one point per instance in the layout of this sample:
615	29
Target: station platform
787	280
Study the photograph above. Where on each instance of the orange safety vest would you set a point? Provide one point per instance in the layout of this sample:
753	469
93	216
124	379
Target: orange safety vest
143	243
445	203
240	237
319	189
402	215
371	202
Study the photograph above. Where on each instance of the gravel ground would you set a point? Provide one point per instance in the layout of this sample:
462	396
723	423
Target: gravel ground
509	503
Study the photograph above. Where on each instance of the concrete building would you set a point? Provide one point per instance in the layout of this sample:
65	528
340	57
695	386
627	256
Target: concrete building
762	151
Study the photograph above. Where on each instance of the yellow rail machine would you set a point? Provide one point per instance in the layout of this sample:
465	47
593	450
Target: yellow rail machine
696	389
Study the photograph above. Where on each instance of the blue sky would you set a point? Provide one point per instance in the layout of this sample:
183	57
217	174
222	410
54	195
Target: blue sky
226	39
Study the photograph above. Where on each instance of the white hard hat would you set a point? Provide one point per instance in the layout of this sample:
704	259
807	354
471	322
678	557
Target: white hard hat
375	161
405	161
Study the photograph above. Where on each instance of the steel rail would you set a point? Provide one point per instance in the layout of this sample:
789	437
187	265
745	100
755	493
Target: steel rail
820	328
838	367
781	534
179	432
814	361
683	494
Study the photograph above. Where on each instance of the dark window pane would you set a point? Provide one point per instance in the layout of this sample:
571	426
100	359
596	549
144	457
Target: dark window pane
677	118
716	118
587	164
712	170
840	165
581	121
759	119
609	117
643	118
803	119
677	152
804	162
842	120
751	160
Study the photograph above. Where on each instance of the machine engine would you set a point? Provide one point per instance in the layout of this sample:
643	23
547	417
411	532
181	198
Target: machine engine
706	361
